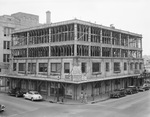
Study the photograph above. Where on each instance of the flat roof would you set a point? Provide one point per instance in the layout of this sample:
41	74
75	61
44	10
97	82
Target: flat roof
78	22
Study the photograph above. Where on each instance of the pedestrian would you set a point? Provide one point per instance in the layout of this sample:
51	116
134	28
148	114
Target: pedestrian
55	94
81	97
85	98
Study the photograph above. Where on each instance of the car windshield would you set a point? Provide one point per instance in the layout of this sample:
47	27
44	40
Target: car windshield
131	86
35	93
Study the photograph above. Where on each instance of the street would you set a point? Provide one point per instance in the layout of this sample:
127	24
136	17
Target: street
136	105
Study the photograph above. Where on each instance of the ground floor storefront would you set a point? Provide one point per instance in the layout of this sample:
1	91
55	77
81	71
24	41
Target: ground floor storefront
65	90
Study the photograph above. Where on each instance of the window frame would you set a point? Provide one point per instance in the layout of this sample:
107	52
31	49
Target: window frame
23	69
96	70
125	66
107	66
56	69
65	69
117	68
83	67
43	67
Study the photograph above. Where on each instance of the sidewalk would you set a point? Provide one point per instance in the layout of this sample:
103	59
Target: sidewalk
90	100
50	99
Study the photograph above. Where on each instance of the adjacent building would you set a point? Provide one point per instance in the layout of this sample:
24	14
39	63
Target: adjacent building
74	56
8	23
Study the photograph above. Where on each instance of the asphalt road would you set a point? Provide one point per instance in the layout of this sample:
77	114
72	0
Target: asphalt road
136	105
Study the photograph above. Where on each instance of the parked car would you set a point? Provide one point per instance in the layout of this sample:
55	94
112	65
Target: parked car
123	91
131	90
118	93
16	92
144	87
2	107
33	95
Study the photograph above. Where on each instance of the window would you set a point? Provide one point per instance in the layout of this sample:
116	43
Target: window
136	66
117	81
14	66
31	68
43	67
125	66
55	67
8	31
96	67
107	67
131	66
6	57
22	67
83	67
140	66
6	45
116	67
66	68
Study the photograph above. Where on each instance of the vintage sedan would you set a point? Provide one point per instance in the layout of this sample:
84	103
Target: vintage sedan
16	92
143	88
33	95
2	107
131	89
118	93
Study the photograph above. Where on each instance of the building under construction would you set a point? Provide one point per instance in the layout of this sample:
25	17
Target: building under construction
73	56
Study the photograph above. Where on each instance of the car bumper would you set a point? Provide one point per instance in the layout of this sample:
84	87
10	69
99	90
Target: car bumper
38	98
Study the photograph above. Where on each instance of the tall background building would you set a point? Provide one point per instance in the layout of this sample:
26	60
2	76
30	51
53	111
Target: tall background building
8	23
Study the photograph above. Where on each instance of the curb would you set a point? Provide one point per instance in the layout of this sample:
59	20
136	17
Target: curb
93	102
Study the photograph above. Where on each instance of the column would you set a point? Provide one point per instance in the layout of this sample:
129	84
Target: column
111	54
120	43
120	38
75	39
49	42
48	68
37	67
89	40
101	42
26	72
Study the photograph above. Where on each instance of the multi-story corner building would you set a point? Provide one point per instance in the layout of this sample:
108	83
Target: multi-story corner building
74	56
8	23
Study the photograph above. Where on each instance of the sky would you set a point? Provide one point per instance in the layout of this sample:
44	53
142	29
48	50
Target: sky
129	15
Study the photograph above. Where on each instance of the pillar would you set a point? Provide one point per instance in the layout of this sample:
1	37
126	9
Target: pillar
75	39
89	40
49	42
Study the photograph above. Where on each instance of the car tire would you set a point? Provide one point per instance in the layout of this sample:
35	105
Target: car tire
32	99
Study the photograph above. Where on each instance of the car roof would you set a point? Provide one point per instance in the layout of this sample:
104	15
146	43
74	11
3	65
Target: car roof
131	86
33	91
